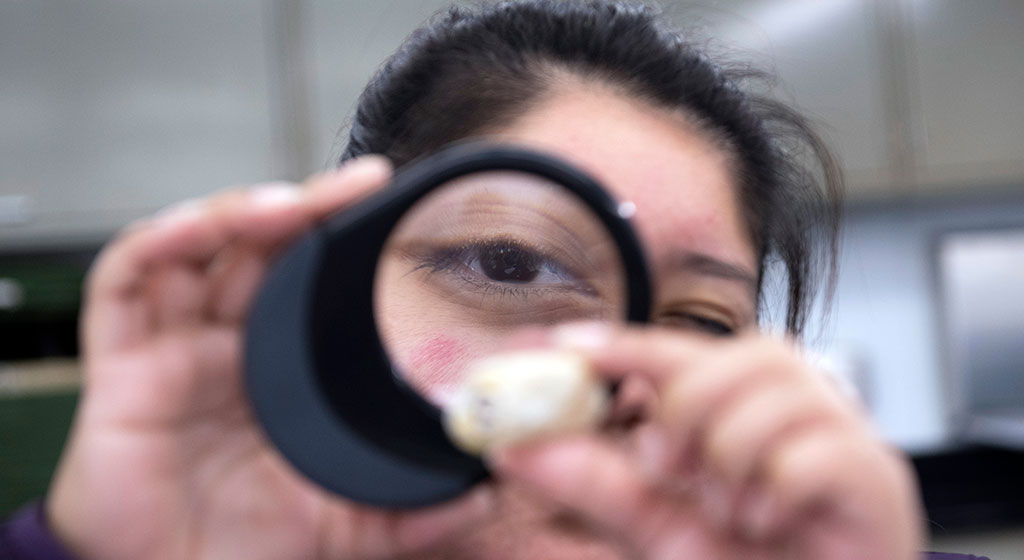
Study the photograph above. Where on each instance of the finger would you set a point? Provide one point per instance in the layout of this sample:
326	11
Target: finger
748	428
178	294
120	310
269	215
362	533
808	474
691	401
843	482
619	351
234	279
634	402
202	368
265	216
422	529
585	474
331	191
117	313
180	377
109	323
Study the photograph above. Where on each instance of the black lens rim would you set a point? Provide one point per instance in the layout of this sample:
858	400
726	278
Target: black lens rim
365	435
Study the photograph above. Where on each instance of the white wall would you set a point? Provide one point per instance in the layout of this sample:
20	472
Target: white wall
886	309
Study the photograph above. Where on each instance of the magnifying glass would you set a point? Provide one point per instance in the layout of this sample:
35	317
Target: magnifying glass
364	326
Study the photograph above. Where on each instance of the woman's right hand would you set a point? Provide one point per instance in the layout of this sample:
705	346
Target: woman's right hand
165	459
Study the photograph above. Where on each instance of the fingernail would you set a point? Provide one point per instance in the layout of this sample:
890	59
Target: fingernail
180	212
274	195
582	336
759	515
368	164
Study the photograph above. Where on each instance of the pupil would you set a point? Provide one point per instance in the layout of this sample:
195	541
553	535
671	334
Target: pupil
508	263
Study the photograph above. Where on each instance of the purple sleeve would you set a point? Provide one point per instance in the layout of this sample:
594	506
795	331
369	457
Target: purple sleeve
26	536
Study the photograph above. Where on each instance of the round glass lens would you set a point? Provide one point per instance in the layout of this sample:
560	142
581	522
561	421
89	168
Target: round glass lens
482	257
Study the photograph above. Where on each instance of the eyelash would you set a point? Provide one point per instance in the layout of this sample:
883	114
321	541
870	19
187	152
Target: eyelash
454	259
701	323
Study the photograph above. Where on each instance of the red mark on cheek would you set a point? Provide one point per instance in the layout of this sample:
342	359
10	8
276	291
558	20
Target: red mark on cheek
436	364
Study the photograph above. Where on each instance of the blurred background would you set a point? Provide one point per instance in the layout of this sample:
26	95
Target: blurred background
111	109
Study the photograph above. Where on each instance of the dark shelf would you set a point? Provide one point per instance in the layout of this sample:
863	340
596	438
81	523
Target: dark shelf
972	488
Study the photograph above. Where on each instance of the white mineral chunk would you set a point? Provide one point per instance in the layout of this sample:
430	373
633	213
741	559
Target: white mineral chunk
524	395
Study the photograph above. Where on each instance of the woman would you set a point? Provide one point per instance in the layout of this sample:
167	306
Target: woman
726	443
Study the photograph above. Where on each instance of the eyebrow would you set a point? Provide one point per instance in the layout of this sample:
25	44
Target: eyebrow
706	265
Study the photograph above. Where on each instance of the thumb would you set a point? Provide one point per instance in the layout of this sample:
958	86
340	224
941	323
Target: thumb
584	473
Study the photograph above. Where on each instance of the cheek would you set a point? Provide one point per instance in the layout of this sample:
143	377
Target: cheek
436	354
435	365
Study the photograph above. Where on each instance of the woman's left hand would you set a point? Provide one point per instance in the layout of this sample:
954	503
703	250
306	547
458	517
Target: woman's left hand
745	451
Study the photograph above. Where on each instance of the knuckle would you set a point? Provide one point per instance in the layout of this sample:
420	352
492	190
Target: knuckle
176	354
720	450
808	465
102	269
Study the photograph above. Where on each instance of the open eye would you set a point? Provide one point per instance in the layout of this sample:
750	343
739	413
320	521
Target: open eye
503	264
507	262
508	280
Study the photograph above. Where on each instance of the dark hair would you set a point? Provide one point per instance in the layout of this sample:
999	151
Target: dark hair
471	70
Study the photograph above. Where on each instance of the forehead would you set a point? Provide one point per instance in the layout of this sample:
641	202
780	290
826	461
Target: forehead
681	183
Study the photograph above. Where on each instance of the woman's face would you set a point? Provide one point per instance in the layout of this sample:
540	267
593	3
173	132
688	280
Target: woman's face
687	216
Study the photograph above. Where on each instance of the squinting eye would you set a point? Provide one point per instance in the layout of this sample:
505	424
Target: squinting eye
700	323
711	326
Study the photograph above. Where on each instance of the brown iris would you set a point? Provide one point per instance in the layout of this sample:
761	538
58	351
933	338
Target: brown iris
508	262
